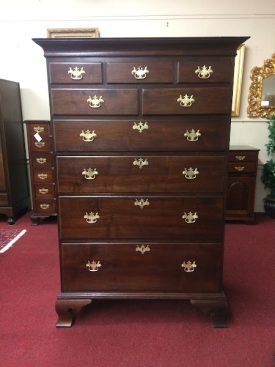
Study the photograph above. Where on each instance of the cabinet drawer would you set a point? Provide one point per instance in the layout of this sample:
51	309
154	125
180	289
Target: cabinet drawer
242	167
243	156
122	267
187	219
94	101
188	133
39	137
206	70
42	160
45	206
44	191
43	175
143	71
120	174
75	73
186	100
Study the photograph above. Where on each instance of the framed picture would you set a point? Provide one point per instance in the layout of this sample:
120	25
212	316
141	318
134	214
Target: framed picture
73	33
237	84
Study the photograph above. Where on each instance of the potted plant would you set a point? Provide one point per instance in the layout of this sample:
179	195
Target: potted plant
268	176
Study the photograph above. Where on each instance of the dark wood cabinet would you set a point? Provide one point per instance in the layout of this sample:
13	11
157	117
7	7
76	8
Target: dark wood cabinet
141	133
14	187
42	169
242	168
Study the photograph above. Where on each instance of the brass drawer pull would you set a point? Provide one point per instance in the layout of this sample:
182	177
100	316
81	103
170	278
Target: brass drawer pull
189	266
240	157
89	174
140	72
142	203
204	72
93	265
95	102
44	206
142	249
42	176
190	217
39	129
91	217
140	126
185	101
140	162
88	135
41	160
39	144
190	173
192	135
239	168
43	191
76	73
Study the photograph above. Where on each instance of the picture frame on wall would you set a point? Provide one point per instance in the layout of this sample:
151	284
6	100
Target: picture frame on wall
237	83
73	33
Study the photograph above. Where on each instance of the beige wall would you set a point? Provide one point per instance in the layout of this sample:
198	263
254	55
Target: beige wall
23	61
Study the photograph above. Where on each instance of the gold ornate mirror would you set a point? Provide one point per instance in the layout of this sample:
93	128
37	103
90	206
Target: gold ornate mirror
261	97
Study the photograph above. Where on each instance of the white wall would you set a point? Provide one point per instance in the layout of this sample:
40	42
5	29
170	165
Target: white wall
23	61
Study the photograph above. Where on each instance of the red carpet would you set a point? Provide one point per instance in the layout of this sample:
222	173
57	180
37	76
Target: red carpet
137	333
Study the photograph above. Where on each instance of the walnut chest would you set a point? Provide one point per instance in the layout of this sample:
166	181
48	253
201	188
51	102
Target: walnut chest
141	133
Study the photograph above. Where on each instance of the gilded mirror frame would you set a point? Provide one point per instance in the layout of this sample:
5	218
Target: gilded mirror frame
257	75
237	83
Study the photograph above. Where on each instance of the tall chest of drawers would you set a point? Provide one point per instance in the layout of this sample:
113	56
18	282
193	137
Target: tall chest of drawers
141	133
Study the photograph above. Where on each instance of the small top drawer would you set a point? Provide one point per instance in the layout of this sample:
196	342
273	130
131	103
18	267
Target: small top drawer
241	156
206	70
75	73
39	137
140	72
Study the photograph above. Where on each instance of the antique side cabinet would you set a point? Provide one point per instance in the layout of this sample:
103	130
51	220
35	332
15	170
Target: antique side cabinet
141	133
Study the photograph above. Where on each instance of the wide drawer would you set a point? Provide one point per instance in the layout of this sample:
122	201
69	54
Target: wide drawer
75	73
120	174
188	133
94	101
185	218
242	167
186	100
44	191
43	175
143	71
141	267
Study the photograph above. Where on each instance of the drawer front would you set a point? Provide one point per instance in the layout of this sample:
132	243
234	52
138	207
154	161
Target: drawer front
242	156
94	101
143	71
75	73
44	191
242	167
42	160
120	174
45	206
186	101
206	70
187	134
39	137
43	176
186	219
123	267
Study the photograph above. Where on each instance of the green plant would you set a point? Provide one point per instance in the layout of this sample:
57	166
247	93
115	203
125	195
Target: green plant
268	176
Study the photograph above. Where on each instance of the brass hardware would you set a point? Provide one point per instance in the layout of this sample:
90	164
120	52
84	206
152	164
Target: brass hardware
140	126
190	217
192	135
140	72
44	206
140	162
239	168
189	266
41	160
91	217
185	101
39	129
95	102
94	265
190	173
240	157
42	176
142	203
89	174
142	249
76	73
43	191
204	72
39	144
88	135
